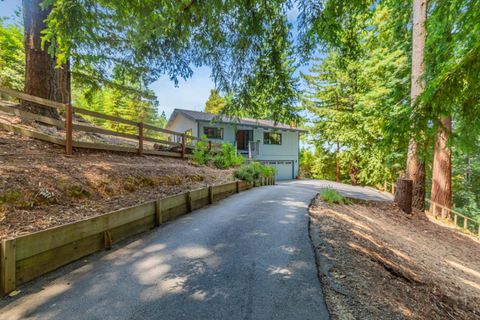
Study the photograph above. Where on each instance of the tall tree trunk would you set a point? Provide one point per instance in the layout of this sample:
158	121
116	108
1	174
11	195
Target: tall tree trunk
415	163
442	167
353	176
337	163
42	79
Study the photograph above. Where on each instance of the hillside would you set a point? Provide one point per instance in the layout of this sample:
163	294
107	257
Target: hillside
379	263
40	187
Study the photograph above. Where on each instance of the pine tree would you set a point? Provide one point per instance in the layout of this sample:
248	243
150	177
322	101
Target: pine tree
215	103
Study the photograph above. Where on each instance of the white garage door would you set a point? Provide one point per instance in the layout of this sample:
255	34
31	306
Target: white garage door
284	169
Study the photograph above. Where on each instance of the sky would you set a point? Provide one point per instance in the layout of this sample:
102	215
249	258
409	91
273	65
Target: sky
189	94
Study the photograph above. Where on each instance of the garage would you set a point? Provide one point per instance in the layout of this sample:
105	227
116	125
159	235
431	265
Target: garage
284	169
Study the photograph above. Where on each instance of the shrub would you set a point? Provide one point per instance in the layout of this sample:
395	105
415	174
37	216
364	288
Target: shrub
227	157
333	196
201	153
254	170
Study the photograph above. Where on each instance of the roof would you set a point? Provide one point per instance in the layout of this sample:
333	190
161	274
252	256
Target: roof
208	117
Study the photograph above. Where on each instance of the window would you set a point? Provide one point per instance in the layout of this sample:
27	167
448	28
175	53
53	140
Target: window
272	138
213	133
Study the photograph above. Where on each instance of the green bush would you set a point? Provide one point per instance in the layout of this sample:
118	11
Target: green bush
253	171
333	196
201	153
227	157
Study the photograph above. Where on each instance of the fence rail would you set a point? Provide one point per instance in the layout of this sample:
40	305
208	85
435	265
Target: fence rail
70	126
26	257
458	219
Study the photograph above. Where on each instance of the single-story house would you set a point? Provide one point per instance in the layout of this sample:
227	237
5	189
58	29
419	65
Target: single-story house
270	143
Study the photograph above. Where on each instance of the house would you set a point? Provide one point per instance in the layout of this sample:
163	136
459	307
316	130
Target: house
260	140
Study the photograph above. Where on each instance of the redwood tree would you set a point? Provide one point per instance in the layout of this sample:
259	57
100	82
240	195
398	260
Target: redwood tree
42	78
442	167
415	164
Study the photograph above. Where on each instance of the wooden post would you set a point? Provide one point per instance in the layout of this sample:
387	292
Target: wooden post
455	219
393	188
465	223
404	194
7	266
107	239
188	199
158	213
69	130
183	145
210	194
209	145
433	209
385	185
238	187
140	138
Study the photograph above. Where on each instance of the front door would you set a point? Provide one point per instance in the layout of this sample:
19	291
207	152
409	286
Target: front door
242	138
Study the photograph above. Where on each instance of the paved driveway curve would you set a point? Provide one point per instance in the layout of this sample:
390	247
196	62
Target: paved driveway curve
246	257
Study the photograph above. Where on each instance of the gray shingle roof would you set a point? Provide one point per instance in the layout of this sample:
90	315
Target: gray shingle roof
207	117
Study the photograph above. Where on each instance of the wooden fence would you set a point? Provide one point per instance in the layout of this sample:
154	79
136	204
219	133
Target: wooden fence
69	125
458	219
29	256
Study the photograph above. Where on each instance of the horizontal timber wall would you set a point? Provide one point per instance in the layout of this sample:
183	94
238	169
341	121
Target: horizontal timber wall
29	256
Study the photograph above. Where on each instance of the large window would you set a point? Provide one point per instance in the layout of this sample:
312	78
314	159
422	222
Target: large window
213	133
272	138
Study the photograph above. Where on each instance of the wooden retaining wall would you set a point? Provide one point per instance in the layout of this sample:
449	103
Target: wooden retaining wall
27	257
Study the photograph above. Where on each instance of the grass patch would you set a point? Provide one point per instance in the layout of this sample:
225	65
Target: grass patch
333	196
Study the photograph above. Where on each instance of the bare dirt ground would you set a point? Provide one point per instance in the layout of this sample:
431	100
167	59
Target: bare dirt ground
40	187
375	262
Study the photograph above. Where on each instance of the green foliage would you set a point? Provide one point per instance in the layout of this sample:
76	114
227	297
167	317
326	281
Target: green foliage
215	103
357	97
330	195
243	42
201	153
227	157
253	171
137	103
12	58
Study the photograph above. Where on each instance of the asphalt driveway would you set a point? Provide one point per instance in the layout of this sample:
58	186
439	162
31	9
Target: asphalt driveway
246	257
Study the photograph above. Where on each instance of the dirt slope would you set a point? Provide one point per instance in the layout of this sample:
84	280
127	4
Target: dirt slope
40	187
378	263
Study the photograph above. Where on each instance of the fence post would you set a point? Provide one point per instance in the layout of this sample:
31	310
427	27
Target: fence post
69	130
158	213
140	138
238	186
210	194
455	219
433	209
183	145
7	266
209	145
465	223
188	199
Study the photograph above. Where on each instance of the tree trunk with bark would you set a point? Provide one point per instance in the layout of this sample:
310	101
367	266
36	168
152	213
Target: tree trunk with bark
415	164
337	163
42	78
442	167
404	194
